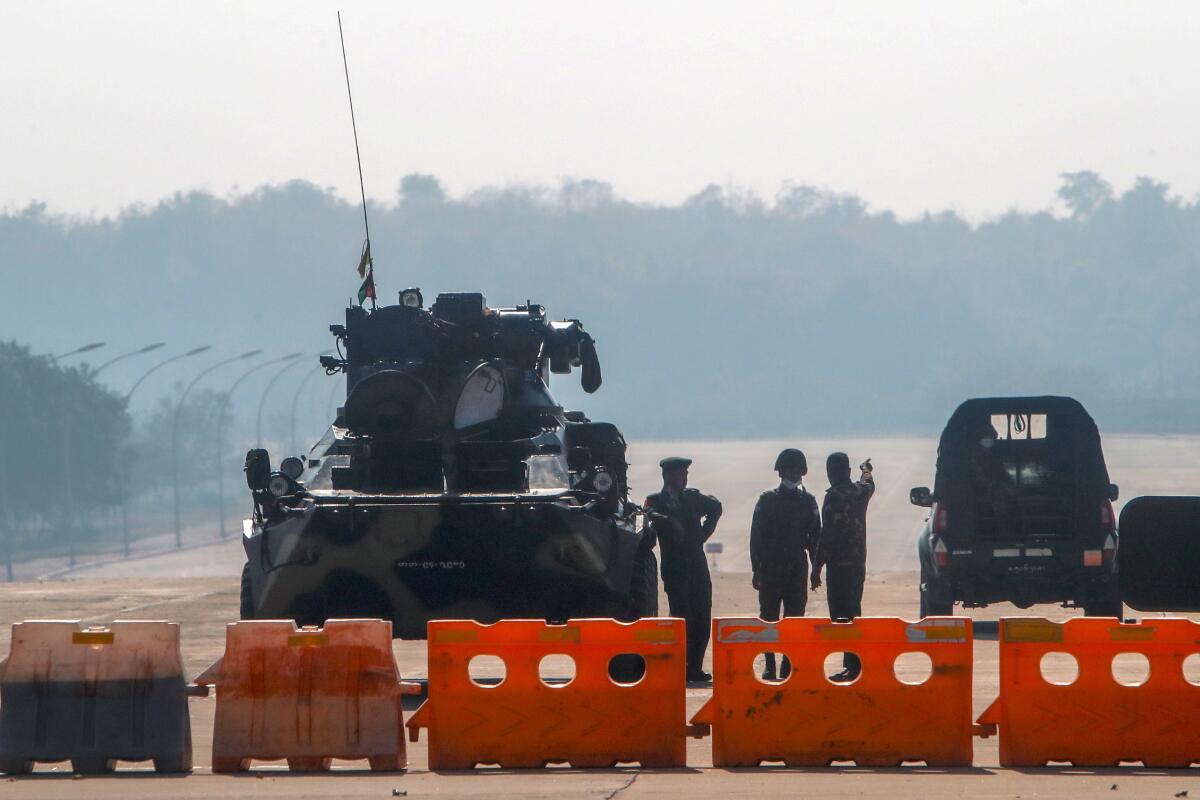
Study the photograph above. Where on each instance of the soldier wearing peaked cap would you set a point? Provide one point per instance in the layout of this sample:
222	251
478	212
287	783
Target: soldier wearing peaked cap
783	537
683	519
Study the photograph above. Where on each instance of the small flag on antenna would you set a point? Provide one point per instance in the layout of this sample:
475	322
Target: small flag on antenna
364	263
367	289
366	271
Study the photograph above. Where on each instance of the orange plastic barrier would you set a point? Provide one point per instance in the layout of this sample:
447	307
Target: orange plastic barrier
522	721
1095	721
307	695
809	721
94	696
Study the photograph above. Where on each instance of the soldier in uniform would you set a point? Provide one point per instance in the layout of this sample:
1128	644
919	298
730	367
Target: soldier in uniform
843	546
682	519
783	537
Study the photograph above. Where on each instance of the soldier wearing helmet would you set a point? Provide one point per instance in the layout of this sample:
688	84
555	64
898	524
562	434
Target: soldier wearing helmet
784	534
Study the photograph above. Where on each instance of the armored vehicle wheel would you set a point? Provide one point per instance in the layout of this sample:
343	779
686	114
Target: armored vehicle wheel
93	766
246	608
643	591
935	600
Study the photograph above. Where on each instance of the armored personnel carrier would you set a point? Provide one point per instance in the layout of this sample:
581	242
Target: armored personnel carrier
451	485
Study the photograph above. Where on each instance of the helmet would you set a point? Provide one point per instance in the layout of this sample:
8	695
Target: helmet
791	458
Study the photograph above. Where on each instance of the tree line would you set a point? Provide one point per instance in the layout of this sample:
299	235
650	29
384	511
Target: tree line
725	315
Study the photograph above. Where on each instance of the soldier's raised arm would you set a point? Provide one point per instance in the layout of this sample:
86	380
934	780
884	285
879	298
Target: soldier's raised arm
712	514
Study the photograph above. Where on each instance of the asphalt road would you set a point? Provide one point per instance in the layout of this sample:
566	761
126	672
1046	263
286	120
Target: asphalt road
198	587
204	605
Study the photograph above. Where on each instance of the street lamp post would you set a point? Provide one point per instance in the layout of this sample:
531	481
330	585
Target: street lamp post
87	348
221	430
68	480
296	399
195	351
263	400
175	436
148	348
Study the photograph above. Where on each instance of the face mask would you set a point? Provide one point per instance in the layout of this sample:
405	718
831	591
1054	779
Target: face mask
786	484
987	442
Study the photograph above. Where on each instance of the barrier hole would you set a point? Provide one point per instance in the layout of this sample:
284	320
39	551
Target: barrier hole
1130	669
487	670
1059	668
1191	669
556	669
626	669
913	668
842	668
772	668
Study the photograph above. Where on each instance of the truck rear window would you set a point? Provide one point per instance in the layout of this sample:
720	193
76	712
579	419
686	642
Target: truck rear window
1015	427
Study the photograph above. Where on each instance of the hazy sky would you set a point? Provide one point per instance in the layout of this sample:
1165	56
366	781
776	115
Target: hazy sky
913	106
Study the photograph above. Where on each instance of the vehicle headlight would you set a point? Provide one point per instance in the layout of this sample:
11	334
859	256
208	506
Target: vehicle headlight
279	485
292	467
603	482
411	298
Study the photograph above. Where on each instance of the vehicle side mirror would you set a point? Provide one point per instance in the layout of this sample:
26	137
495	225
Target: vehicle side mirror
258	469
921	496
1113	492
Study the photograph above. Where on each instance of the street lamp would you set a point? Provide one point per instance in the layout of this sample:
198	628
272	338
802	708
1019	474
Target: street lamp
296	399
175	435
195	351
221	429
124	356
262	402
68	483
87	348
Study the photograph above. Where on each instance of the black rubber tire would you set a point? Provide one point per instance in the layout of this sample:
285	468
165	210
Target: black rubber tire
934	602
93	766
246	603
1105	602
643	590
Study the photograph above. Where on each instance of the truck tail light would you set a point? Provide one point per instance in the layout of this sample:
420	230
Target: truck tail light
1109	551
941	553
1107	519
941	518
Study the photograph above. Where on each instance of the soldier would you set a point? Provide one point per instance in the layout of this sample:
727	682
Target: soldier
843	546
783	537
683	519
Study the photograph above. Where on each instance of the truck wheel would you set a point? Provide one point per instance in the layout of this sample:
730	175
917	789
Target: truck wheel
935	600
1104	602
247	597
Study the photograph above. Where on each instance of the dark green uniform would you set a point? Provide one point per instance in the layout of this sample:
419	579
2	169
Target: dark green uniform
784	534
843	545
682	525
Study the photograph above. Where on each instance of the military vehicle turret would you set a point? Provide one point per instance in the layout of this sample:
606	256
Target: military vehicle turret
451	485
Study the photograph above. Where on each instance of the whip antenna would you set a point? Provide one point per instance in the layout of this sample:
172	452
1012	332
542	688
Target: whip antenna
366	267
